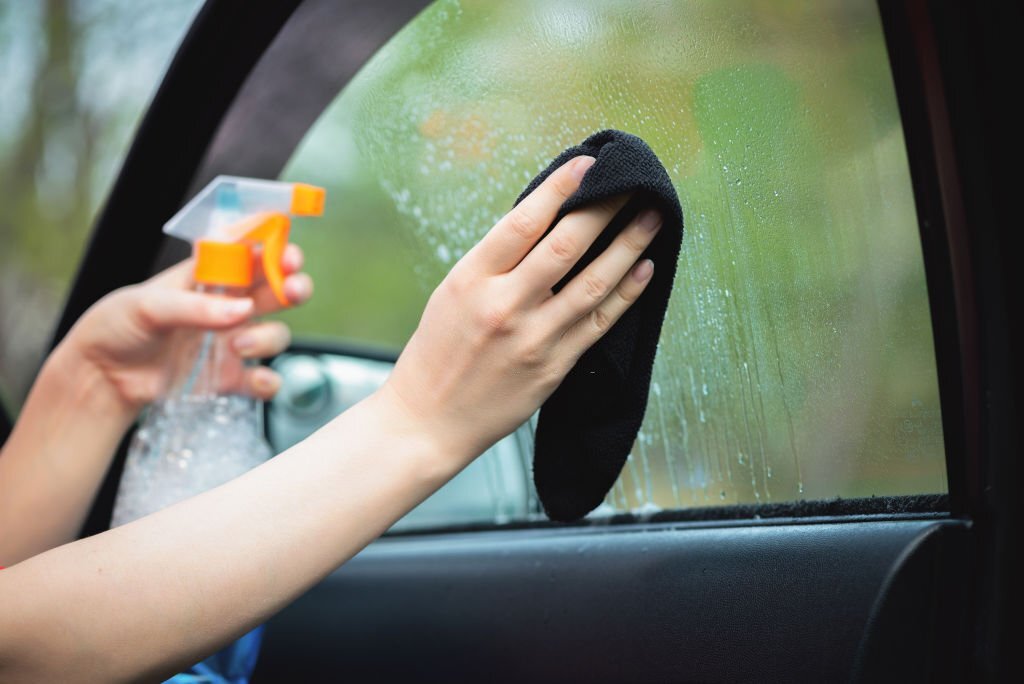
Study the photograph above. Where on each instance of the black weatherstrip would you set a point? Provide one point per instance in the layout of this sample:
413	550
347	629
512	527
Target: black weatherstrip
318	52
323	45
5	425
920	506
941	220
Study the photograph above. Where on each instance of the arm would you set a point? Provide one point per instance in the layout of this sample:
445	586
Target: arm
493	343
46	487
140	601
93	385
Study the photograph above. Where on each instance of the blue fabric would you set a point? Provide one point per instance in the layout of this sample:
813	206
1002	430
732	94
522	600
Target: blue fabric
233	664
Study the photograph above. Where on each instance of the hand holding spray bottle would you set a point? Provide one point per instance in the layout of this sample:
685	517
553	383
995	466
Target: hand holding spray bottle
204	431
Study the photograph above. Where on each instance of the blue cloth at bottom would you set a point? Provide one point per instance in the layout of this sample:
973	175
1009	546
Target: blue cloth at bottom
233	664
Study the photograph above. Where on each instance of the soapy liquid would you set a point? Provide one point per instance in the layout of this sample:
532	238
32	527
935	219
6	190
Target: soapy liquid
185	446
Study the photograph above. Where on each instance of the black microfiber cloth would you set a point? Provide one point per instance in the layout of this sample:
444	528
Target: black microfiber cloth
587	426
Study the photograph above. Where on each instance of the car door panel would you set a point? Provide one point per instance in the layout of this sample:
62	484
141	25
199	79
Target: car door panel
785	601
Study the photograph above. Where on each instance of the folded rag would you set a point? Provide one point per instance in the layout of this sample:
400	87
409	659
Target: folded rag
588	425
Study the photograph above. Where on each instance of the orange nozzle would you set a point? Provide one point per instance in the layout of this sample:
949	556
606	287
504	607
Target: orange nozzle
272	231
223	263
307	200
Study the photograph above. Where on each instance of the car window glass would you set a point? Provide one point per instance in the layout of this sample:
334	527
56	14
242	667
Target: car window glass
74	80
796	360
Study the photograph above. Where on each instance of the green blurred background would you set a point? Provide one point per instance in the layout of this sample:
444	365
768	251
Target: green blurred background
75	76
796	359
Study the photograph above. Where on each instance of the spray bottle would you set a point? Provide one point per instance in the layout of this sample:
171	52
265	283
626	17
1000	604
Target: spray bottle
205	431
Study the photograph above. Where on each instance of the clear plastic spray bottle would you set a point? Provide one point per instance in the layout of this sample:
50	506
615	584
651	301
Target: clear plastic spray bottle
205	430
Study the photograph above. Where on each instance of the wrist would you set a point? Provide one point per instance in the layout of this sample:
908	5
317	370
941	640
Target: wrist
83	386
442	453
55	458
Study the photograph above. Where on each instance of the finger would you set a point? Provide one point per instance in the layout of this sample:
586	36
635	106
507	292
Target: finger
261	382
560	249
261	340
179	275
517	232
291	262
297	288
589	329
593	284
164	308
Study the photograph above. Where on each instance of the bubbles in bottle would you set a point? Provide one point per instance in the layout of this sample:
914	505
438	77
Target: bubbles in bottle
185	446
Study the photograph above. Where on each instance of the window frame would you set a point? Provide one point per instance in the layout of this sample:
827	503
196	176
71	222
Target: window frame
913	60
204	141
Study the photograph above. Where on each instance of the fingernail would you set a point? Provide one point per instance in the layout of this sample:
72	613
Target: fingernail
244	343
266	382
235	307
580	165
650	220
298	289
643	270
293	257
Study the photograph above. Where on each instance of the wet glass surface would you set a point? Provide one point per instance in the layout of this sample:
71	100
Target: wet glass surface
796	361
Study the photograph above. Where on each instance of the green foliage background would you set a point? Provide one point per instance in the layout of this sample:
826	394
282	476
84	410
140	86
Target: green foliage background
797	358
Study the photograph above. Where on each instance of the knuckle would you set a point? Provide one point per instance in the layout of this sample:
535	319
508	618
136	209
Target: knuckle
533	355
600	320
626	295
454	284
561	247
522	224
147	310
559	367
495	319
594	287
563	185
281	334
608	205
634	241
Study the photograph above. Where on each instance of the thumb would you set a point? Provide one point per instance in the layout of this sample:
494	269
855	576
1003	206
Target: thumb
166	308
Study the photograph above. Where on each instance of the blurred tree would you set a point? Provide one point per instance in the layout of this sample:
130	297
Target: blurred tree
74	75
57	127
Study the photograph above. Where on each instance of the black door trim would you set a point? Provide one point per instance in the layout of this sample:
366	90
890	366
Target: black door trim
919	92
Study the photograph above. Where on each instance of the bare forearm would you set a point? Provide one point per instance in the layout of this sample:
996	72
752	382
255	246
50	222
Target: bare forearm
150	597
54	461
157	594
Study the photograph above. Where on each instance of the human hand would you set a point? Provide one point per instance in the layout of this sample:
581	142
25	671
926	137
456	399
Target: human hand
131	336
494	341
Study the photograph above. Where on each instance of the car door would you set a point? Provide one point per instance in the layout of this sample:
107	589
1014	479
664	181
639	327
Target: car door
805	499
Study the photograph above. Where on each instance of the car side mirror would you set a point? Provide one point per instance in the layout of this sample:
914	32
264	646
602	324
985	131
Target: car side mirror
318	385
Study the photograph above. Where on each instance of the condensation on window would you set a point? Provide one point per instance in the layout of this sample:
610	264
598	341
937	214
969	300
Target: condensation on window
796	360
